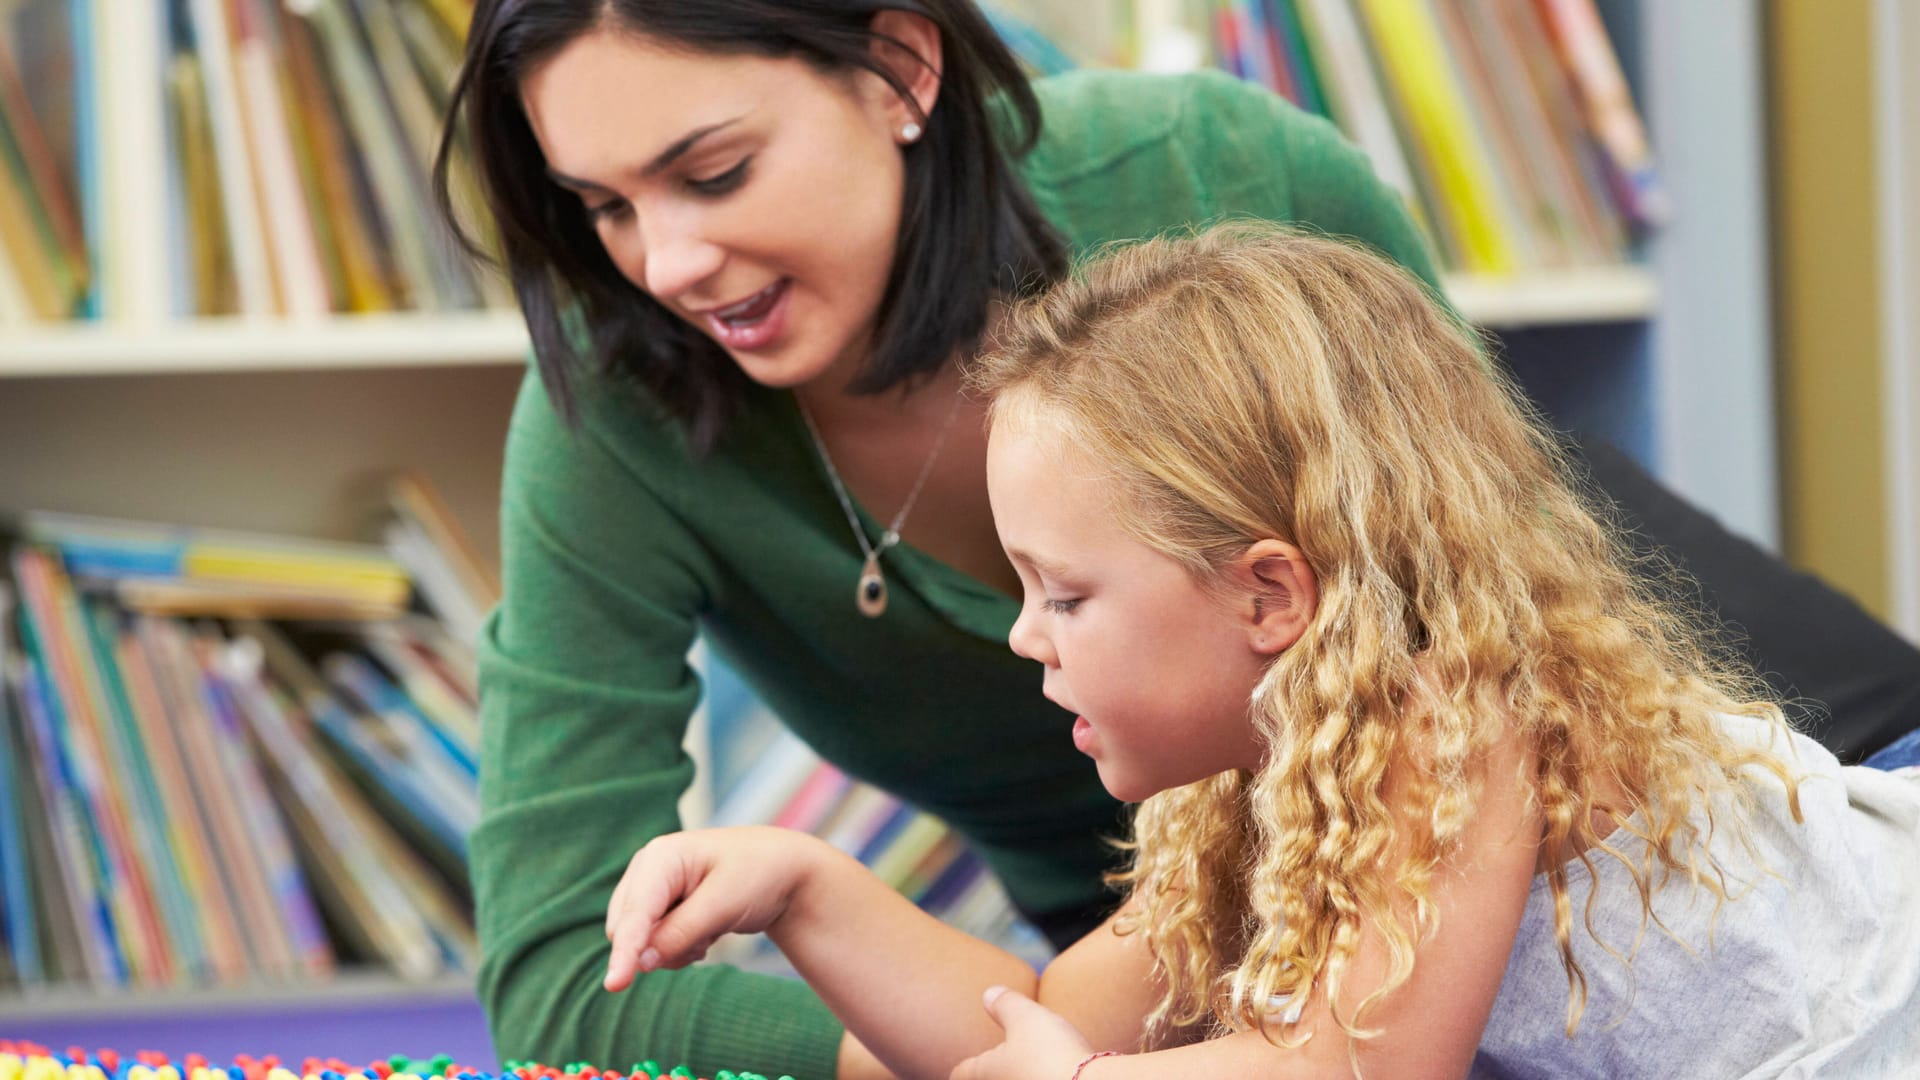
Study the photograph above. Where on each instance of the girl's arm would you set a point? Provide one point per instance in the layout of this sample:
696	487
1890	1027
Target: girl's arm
1430	1026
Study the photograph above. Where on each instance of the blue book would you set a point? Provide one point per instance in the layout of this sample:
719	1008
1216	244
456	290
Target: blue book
1034	48
877	843
952	882
82	861
147	812
16	901
86	120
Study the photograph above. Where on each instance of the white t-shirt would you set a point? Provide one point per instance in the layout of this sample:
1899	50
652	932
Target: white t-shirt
1813	972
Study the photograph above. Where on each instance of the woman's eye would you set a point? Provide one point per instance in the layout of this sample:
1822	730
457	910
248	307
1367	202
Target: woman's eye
606	211
1060	607
722	183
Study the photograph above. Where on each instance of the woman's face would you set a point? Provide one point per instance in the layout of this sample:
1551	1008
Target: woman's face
758	199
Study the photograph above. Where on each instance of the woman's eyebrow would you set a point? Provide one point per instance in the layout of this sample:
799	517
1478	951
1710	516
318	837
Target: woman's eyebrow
660	161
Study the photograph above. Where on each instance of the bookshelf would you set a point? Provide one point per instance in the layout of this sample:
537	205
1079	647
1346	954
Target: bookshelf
211	346
285	426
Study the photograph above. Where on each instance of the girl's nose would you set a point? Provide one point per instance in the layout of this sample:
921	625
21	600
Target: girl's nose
1026	639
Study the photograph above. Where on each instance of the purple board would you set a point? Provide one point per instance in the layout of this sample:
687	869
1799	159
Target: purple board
356	1030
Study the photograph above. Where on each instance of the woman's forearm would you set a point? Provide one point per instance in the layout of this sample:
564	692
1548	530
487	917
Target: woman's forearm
906	985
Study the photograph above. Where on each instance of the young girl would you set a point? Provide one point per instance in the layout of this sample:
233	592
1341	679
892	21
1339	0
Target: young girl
1431	784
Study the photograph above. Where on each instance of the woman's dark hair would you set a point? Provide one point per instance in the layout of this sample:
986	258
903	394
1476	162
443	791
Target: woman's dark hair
967	226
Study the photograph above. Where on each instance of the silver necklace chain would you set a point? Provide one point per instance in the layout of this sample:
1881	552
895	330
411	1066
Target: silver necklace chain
877	603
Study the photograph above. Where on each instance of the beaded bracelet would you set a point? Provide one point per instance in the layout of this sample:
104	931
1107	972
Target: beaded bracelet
1090	1059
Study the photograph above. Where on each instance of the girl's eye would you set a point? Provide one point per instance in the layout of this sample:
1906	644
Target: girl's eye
724	182
1060	607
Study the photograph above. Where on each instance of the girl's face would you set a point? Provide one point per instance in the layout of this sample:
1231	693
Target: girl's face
756	198
1159	671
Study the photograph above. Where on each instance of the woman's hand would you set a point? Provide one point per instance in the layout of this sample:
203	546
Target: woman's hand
684	890
1039	1045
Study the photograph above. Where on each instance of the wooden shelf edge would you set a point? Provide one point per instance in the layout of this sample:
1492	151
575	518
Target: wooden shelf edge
237	345
1557	298
354	989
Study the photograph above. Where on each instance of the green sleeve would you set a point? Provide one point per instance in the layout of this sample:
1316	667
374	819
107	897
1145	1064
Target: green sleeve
586	694
1269	158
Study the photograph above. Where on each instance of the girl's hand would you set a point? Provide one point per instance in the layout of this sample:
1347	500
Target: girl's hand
1040	1044
684	890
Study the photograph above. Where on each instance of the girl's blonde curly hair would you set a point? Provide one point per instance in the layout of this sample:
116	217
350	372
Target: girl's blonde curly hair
1251	382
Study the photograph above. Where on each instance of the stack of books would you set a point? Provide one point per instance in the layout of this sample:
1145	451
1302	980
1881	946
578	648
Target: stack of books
228	157
1506	124
228	758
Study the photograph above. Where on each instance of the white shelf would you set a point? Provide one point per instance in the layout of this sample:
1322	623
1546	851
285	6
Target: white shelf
243	345
1610	294
353	989
1556	298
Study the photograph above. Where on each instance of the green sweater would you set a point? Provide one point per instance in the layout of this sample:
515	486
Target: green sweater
619	547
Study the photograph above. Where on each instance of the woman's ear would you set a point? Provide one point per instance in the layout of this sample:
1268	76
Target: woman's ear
1281	594
909	46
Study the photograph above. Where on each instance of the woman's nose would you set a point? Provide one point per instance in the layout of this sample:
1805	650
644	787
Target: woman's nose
677	259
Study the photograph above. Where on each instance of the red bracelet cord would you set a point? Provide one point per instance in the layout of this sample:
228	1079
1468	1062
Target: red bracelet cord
1090	1059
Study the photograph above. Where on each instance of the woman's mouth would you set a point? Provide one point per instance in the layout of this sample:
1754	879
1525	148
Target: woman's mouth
753	323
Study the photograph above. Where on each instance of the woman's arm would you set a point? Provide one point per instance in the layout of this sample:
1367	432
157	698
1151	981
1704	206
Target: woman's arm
585	698
905	984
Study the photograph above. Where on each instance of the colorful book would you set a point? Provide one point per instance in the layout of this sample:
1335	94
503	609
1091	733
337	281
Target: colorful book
351	877
311	953
73	705
129	761
133	262
1414	60
190	834
110	549
254	271
84	872
184	695
1608	104
289	227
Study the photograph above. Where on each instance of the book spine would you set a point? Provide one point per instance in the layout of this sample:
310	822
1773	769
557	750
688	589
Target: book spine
190	835
72	710
286	883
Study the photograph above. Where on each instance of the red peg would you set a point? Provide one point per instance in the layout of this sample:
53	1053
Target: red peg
107	1060
195	1061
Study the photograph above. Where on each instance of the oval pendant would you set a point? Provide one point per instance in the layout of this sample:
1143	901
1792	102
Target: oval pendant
871	594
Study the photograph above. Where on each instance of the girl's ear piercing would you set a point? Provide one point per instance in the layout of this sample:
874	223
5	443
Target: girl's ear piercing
909	132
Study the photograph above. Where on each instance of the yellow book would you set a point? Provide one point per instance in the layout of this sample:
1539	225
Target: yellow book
1414	59
365	579
20	240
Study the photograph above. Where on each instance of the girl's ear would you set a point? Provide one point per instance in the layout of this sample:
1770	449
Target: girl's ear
909	46
1281	592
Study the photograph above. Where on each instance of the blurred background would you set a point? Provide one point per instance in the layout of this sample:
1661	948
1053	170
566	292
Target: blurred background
252	407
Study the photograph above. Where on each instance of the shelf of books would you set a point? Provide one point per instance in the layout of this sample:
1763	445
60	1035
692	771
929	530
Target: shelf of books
292	227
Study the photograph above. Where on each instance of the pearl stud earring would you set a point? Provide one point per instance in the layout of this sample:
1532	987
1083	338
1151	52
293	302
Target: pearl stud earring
909	132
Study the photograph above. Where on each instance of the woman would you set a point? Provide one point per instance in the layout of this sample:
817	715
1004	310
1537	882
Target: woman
752	238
